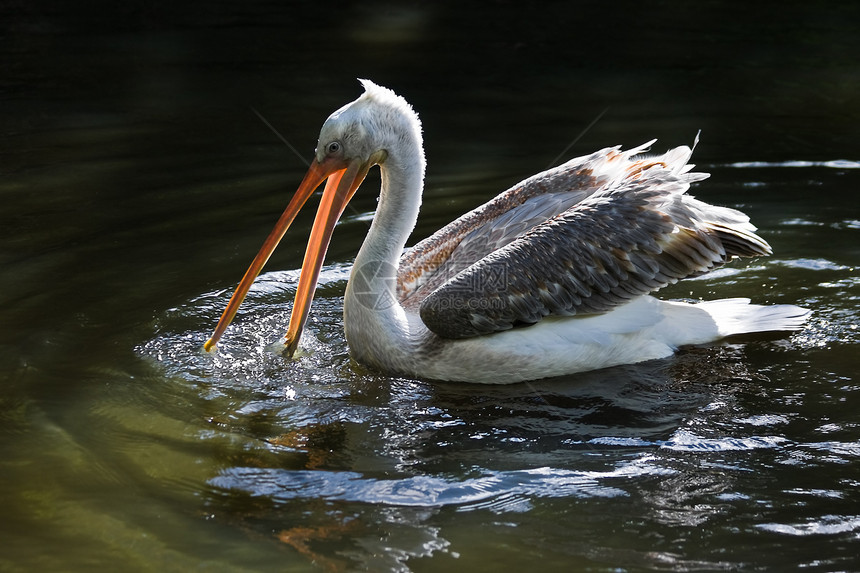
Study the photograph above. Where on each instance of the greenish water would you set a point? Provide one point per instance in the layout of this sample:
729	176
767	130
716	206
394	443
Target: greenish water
137	184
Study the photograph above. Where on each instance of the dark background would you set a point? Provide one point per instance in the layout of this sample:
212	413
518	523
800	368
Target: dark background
116	117
137	182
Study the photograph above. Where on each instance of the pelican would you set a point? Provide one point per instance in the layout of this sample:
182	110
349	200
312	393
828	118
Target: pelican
549	278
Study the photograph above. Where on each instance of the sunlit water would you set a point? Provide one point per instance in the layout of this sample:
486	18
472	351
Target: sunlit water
675	450
137	185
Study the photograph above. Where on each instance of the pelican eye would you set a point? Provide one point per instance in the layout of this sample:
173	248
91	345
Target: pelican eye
332	147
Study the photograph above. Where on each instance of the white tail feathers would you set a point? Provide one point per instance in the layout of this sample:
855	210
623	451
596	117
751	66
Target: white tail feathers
738	316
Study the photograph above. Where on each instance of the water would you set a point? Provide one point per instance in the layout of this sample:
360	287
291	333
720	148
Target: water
137	184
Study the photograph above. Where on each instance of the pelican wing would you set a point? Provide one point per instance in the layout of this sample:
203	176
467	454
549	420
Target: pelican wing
468	239
623	227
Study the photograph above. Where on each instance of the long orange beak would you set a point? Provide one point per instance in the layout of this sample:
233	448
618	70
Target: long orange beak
343	180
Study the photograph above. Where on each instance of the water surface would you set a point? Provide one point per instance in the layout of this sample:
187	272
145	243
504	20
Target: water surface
138	183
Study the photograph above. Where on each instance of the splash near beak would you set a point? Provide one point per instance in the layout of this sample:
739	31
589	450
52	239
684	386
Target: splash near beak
343	180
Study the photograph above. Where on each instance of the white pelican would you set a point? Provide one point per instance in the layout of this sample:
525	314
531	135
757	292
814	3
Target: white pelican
549	278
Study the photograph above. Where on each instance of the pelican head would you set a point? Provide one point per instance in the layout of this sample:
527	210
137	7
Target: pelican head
353	139
366	129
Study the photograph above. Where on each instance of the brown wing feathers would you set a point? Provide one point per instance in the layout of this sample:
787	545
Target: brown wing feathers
619	243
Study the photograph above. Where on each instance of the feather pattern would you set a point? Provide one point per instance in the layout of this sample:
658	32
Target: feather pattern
582	238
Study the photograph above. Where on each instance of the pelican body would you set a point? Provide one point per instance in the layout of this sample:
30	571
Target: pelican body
551	277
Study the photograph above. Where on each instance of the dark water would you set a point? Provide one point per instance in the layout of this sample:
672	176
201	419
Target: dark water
137	183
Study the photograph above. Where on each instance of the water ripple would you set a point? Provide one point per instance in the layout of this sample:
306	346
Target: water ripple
849	449
249	354
833	164
813	264
685	440
825	525
432	491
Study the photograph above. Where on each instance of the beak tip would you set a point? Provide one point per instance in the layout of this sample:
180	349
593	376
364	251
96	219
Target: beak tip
209	345
290	347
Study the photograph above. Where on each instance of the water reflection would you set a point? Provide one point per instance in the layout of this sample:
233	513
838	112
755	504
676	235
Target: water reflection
137	182
320	460
355	457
